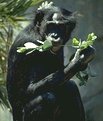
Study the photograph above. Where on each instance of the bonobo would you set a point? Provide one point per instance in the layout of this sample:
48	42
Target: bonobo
34	80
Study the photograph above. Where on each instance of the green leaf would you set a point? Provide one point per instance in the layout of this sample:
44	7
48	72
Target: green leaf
2	36
31	47
34	2
21	49
47	45
4	97
82	78
84	44
75	42
91	37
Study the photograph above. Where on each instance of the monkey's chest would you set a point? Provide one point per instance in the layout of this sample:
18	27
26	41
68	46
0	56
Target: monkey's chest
46	65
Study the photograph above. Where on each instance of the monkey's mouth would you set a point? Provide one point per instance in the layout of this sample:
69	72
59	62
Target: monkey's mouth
55	37
57	31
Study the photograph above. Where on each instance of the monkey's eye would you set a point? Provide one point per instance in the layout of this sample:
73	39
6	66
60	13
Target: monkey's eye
48	17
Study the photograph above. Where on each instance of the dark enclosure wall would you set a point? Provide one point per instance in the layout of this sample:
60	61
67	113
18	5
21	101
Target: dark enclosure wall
90	20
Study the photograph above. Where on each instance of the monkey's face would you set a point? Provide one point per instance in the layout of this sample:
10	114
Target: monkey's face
56	24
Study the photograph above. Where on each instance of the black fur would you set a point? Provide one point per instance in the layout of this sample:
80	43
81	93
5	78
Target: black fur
30	99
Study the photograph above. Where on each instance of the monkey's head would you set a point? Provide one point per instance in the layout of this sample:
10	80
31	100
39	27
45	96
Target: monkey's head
54	22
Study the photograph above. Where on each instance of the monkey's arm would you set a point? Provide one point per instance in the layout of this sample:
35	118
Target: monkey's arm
56	79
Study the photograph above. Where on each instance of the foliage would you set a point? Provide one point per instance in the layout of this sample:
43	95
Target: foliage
12	12
81	45
78	44
47	44
30	47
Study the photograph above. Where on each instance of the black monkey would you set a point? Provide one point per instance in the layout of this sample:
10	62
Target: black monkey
33	80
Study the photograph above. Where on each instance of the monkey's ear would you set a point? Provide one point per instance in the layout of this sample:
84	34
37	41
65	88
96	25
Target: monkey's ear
38	17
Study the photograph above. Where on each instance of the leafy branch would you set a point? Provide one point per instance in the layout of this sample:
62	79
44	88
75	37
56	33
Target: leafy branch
31	47
79	45
47	44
